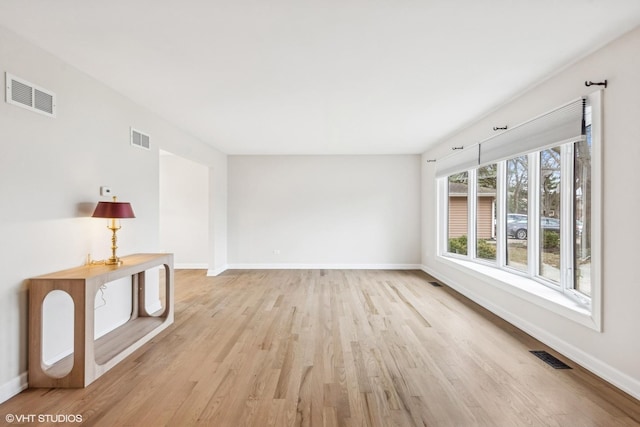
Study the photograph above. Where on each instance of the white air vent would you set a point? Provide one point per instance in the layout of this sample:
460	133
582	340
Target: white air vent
139	139
27	95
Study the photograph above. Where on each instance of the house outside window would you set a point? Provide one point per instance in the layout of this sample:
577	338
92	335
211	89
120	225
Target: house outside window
458	213
486	221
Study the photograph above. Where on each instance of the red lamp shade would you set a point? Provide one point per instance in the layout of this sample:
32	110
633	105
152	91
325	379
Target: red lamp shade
113	210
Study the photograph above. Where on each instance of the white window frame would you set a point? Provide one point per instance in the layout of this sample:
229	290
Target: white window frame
560	298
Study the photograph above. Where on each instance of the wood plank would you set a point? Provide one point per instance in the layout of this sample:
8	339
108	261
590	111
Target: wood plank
334	348
116	341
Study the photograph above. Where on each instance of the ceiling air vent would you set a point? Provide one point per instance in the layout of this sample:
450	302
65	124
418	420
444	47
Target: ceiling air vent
139	139
27	95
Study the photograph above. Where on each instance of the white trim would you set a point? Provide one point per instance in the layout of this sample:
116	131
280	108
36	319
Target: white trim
597	203
53	359
13	387
109	328
459	161
190	266
501	216
442	232
526	289
304	266
212	272
556	127
567	210
603	370
533	213
472	208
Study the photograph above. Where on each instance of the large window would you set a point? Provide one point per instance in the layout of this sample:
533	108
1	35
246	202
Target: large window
531	212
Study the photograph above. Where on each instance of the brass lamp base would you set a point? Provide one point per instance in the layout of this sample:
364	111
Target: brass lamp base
113	259
117	262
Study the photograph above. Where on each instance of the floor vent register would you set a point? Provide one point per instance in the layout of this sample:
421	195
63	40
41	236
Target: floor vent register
550	360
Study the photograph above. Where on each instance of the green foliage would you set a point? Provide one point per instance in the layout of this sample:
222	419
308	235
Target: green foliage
461	178
551	240
458	245
487	176
486	250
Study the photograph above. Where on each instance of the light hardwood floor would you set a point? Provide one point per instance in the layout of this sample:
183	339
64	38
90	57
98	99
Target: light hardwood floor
334	348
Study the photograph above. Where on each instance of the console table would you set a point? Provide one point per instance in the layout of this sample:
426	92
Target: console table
91	358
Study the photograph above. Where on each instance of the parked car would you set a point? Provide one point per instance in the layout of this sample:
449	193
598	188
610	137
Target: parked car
519	229
513	217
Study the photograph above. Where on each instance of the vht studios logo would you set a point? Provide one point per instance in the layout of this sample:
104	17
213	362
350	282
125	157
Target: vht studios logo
42	418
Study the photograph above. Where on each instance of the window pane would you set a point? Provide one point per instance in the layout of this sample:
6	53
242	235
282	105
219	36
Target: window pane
582	194
458	215
486	212
517	211
550	214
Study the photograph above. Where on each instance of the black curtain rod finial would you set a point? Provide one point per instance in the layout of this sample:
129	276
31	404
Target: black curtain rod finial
590	83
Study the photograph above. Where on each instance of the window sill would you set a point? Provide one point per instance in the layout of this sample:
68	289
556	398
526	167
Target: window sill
526	289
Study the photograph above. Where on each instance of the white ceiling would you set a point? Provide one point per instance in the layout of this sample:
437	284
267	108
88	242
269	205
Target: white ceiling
320	77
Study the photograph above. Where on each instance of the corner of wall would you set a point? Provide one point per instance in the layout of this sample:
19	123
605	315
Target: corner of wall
212	272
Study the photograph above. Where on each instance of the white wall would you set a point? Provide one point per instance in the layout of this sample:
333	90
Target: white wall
50	173
324	211
184	211
218	187
216	161
614	353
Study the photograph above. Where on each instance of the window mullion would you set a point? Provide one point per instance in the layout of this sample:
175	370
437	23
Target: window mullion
501	215
472	213
443	212
567	225
533	233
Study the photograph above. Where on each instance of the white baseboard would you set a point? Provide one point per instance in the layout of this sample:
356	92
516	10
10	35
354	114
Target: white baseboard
216	271
324	267
190	266
13	387
156	306
220	270
60	356
598	367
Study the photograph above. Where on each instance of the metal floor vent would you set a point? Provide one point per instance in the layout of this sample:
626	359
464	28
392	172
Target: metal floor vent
550	360
436	284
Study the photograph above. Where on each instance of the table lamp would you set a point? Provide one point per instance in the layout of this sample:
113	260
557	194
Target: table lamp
113	211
